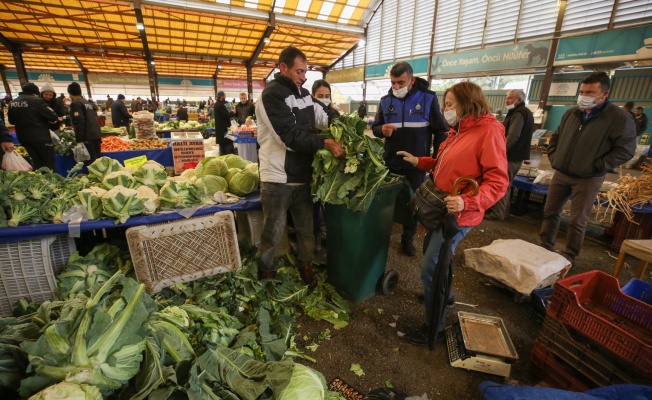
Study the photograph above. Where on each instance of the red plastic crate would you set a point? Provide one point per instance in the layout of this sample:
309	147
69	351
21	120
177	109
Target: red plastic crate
554	371
588	359
593	305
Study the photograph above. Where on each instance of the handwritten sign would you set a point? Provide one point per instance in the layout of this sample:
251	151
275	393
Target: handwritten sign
186	150
136	162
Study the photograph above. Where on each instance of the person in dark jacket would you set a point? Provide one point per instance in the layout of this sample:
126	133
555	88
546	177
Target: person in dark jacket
136	105
222	123
83	116
408	118
287	134
182	113
5	140
50	96
519	124
119	114
33	120
591	139
109	102
362	109
640	120
244	109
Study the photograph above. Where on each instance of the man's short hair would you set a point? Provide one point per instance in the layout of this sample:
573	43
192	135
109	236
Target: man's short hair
629	104
401	68
639	108
243	94
289	54
598	77
518	93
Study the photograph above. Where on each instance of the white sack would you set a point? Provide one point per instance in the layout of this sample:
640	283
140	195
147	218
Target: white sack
520	265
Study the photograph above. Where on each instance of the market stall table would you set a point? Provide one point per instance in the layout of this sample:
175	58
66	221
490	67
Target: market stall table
25	232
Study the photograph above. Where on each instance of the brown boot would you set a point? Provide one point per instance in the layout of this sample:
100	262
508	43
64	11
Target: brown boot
266	274
308	276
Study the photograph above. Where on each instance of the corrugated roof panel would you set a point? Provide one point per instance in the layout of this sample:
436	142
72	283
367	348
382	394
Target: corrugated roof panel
116	65
49	62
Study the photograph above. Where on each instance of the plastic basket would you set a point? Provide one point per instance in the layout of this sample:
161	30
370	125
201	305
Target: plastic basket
29	267
183	251
586	358
546	365
622	229
250	226
639	289
593	304
539	302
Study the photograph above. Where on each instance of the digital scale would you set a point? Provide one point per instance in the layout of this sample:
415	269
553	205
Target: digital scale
480	343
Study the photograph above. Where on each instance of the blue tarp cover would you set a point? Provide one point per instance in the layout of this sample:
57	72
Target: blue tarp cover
496	391
35	231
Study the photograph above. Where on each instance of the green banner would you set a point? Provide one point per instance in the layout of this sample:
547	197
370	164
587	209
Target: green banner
113	79
515	56
419	67
619	45
184	81
345	75
35	76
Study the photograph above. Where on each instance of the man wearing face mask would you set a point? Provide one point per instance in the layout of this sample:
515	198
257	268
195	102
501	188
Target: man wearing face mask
518	129
409	119
590	140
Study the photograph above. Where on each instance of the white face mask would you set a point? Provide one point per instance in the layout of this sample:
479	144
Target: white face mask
586	102
400	93
325	101
510	106
451	117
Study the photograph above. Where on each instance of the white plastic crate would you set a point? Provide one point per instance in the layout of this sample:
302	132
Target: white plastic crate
184	251
250	227
28	269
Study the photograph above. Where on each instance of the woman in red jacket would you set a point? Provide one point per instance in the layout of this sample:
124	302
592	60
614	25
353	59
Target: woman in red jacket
475	147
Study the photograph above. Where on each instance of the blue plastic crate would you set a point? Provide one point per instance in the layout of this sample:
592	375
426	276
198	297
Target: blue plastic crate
639	289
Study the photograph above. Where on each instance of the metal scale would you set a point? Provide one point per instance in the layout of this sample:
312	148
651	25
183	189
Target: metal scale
480	343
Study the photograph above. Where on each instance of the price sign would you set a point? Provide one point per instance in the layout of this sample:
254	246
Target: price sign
136	162
186	150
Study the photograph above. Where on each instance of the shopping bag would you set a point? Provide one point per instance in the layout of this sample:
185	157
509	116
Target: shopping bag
80	152
55	138
15	162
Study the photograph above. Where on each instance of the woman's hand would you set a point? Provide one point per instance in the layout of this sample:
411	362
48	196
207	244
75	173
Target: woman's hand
408	157
454	203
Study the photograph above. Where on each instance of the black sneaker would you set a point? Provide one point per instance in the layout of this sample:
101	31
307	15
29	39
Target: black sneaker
449	304
408	249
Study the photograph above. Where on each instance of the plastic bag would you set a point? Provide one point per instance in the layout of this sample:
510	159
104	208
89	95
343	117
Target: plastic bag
80	152
55	138
15	162
544	178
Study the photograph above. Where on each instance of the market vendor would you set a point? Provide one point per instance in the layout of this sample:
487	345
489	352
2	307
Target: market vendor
244	109
119	114
288	139
33	120
222	123
5	139
83	116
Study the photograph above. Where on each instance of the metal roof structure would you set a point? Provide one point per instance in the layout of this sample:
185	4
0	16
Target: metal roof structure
183	38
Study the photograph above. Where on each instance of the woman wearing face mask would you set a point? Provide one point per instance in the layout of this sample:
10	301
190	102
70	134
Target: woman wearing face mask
475	147
321	95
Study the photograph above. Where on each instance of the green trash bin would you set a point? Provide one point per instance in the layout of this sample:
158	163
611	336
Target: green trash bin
357	246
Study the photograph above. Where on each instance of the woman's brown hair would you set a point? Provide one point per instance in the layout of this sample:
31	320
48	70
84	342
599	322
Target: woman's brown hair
470	98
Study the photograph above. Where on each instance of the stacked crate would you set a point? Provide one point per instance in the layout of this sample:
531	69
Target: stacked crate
593	335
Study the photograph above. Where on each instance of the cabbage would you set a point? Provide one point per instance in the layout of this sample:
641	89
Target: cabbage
211	166
305	383
68	391
119	178
210	184
179	195
252	167
231	172
149	198
234	161
102	167
189	175
121	203
151	174
244	182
